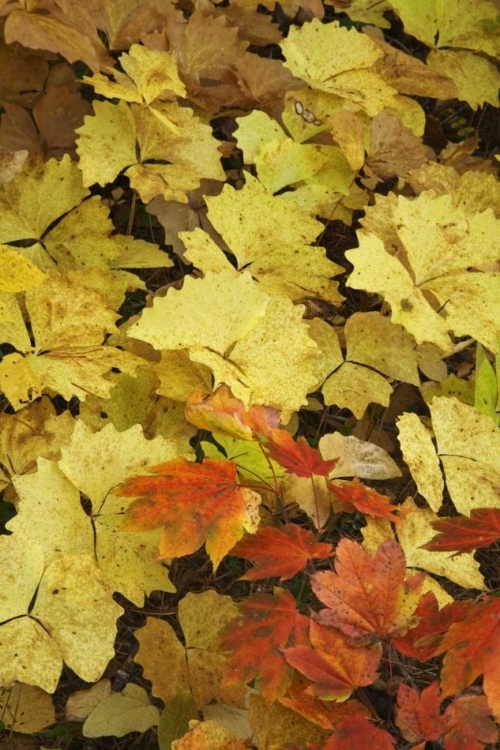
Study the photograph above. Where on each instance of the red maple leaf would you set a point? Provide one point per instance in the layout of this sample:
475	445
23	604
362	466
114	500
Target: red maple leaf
280	552
297	456
255	639
222	412
368	597
417	716
421	641
195	504
466	723
333	665
473	648
366	500
466	534
357	732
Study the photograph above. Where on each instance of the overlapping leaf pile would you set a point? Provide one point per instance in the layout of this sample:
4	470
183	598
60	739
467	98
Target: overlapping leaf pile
147	421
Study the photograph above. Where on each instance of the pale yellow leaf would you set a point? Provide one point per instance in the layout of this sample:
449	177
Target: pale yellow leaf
18	381
37	196
355	387
16	272
29	654
22	563
357	458
75	605
420	455
26	709
106	142
153	72
50	512
80	704
477	79
121	713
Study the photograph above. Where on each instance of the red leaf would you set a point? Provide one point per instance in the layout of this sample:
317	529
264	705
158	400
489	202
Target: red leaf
356	732
222	412
366	500
473	648
466	534
195	503
368	597
265	626
334	666
280	552
421	641
417	716
468	724
297	456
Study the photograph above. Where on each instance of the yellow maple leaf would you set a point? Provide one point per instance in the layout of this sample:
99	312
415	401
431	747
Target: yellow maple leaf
268	238
428	284
347	73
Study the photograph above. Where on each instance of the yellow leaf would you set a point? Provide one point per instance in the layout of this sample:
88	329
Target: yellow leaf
235	305
348	73
121	713
37	196
16	272
82	702
106	143
50	512
477	79
420	455
75	605
26	709
355	387
18	381
357	458
163	658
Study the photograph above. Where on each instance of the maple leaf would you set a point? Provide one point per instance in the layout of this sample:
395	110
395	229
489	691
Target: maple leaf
366	500
357	731
417	716
280	552
266	625
324	714
297	456
420	642
222	412
335	667
466	534
472	648
368	597
195	504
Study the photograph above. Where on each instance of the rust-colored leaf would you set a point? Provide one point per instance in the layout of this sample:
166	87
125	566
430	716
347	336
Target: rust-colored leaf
466	534
417	716
195	504
297	456
323	713
222	412
357	732
473	648
335	667
366	500
368	597
421	641
280	552
468	724
266	625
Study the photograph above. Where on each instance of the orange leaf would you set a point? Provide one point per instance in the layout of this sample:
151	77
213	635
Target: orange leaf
421	641
334	666
468	724
417	716
366	500
266	625
297	456
195	503
473	648
280	552
324	714
357	732
222	412
466	534
368	597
